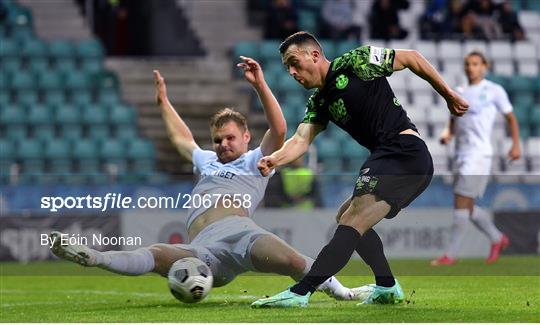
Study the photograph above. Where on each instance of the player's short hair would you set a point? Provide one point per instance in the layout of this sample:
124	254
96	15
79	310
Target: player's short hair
299	39
479	54
227	115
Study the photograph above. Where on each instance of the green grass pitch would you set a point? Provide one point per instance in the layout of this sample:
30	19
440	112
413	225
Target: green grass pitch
471	291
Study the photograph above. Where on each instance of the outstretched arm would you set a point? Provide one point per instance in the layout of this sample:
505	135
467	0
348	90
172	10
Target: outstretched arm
177	129
293	148
420	66
277	127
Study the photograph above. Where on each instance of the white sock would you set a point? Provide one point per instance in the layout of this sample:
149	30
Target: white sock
136	262
482	220
332	286
459	228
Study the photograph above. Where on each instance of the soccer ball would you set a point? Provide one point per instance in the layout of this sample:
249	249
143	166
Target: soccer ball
190	280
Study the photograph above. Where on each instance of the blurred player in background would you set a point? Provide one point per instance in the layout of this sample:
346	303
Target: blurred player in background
223	236
352	92
474	153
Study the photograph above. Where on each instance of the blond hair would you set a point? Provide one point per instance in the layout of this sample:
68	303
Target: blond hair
227	115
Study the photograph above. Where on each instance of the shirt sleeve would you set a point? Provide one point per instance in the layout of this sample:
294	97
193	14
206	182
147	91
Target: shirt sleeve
367	62
202	158
313	114
252	159
501	100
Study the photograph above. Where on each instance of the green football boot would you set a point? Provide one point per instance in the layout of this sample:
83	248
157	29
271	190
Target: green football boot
383	295
285	299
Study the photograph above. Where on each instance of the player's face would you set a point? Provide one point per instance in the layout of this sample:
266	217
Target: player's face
230	141
302	65
474	68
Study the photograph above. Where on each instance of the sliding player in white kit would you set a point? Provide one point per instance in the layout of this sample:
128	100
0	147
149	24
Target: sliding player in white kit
473	156
223	236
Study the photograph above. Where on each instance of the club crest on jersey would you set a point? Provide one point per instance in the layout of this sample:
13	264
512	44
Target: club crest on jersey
342	81
396	101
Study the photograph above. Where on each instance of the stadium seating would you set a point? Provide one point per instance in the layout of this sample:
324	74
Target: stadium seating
330	155
86	157
450	50
114	154
475	46
329	49
354	155
30	153
61	49
40	122
141	154
59	157
62	118
307	20
7	158
247	48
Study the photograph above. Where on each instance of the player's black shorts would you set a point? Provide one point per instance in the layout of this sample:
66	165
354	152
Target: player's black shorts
397	172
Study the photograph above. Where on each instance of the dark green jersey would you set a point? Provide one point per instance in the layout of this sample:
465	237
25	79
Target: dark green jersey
358	98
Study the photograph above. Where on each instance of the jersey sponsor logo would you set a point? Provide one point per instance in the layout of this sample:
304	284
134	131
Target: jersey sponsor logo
366	184
376	55
396	102
342	81
224	174
338	110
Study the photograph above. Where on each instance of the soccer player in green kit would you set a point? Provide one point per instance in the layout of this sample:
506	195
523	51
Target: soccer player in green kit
352	92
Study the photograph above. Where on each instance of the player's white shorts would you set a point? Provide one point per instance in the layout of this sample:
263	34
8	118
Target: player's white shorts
225	247
472	175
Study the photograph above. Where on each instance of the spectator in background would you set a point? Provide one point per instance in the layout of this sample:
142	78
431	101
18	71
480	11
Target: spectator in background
299	185
111	19
337	19
441	19
509	22
294	186
452	21
281	19
384	19
479	20
431	22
